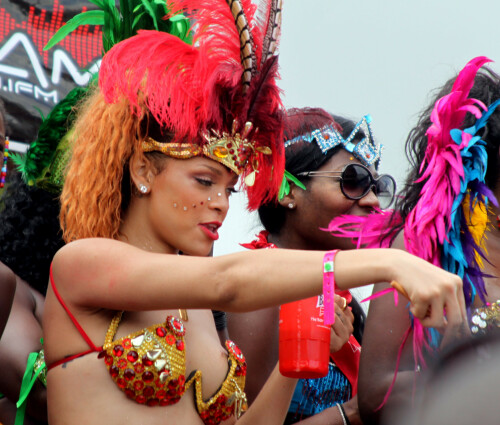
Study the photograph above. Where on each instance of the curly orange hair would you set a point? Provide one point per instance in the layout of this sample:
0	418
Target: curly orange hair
105	137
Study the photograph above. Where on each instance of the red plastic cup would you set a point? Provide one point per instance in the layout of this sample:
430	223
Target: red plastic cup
304	350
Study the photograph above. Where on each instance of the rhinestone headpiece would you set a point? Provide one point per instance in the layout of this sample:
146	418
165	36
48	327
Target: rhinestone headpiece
236	151
328	137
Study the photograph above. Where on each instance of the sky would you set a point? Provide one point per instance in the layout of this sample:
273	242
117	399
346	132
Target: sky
384	58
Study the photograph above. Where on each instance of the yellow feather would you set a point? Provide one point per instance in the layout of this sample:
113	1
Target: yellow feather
477	222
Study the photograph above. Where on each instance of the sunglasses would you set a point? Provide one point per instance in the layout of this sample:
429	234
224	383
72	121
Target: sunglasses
356	181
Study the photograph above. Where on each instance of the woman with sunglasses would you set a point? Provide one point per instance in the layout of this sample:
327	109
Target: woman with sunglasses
331	167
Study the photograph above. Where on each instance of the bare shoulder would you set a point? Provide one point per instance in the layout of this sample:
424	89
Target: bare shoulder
83	249
81	262
85	254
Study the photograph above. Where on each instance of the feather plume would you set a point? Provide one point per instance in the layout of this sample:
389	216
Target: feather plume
247	49
206	86
263	109
124	22
375	230
35	164
454	160
272	22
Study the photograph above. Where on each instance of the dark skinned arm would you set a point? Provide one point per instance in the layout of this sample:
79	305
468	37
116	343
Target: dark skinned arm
7	291
21	337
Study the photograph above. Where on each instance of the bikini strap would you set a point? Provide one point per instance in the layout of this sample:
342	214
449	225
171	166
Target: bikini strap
73	319
113	327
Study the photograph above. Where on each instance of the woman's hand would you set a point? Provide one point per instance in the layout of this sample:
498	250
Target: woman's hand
343	327
436	296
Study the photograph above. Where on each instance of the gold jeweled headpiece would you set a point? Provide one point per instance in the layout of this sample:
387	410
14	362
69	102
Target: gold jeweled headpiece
236	151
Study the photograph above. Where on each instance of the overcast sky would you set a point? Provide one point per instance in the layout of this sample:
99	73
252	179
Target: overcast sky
354	57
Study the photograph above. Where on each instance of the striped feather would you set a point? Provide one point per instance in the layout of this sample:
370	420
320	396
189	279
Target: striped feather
273	28
247	49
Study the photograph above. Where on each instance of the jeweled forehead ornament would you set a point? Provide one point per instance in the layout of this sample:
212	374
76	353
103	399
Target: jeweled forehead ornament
236	151
328	137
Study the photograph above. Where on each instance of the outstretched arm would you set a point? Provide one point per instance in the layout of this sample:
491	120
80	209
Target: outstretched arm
106	273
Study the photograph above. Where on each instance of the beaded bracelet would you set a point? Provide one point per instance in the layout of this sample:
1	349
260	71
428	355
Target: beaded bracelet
329	286
4	164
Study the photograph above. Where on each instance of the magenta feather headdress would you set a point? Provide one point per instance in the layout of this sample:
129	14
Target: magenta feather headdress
212	88
446	226
442	169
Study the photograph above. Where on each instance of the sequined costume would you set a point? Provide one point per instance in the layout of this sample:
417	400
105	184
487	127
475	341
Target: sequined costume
149	366
312	396
485	319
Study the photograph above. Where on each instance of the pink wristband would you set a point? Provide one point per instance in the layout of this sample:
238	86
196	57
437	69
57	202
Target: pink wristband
329	287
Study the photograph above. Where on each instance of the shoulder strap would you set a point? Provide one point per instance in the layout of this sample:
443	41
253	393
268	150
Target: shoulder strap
73	319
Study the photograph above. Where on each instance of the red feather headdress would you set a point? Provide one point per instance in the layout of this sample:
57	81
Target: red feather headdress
218	96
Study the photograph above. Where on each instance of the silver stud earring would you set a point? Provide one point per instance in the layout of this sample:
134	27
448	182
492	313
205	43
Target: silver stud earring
185	208
219	194
175	205
143	188
291	205
209	199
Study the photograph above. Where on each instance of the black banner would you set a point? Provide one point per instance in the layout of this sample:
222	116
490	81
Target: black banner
32	81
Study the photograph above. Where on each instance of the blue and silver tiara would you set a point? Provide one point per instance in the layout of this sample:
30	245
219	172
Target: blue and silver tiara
328	138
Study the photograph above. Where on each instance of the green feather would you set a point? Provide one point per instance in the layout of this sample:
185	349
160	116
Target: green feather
123	22
137	19
285	186
98	3
294	180
91	17
53	128
284	189
151	11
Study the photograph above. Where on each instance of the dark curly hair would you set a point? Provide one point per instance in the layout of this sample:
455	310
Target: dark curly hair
486	89
30	231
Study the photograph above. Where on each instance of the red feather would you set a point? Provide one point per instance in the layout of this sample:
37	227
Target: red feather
197	88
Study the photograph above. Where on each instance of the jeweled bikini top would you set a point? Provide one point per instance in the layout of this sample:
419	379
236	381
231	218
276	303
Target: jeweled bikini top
149	366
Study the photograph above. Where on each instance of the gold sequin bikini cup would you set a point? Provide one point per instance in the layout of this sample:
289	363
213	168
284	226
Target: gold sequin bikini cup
149	366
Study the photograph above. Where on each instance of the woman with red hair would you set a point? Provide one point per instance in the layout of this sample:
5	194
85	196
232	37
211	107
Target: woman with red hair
156	153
